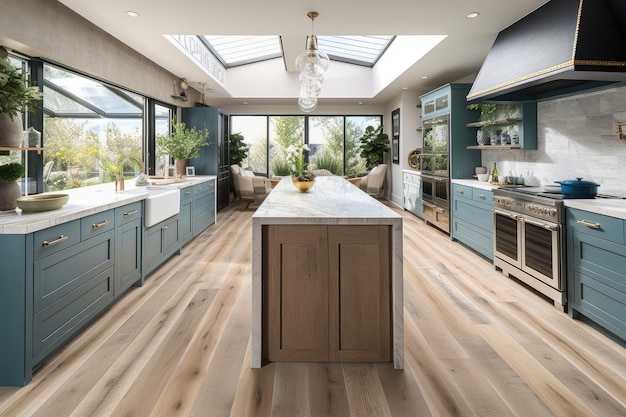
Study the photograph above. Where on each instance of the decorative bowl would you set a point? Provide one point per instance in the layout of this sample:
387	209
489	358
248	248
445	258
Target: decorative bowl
42	202
302	186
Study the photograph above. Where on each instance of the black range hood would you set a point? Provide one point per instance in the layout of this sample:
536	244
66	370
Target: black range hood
562	47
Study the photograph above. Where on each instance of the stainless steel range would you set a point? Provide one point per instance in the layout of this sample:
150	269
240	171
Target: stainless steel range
529	239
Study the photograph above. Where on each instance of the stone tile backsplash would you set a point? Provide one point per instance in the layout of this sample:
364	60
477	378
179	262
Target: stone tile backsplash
576	138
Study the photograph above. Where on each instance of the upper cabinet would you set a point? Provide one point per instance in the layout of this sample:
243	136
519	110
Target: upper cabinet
505	126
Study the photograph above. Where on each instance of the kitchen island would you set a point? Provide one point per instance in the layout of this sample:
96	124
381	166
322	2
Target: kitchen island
326	276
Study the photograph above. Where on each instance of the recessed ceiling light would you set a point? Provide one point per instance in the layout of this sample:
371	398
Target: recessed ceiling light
132	14
360	102
245	102
472	15
405	88
424	77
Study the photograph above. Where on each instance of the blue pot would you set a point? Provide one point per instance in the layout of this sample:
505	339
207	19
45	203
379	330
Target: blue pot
579	188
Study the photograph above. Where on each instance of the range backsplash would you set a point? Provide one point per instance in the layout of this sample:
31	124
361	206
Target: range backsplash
576	138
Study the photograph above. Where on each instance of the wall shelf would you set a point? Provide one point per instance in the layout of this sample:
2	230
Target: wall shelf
20	149
493	147
506	121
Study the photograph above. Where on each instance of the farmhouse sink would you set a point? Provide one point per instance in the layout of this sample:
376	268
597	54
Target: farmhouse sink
162	203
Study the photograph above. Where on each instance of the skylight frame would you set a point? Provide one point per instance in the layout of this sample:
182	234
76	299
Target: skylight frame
358	50
234	51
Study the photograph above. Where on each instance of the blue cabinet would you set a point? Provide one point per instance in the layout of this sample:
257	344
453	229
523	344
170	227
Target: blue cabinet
412	186
160	241
596	275
128	236
185	216
472	218
203	206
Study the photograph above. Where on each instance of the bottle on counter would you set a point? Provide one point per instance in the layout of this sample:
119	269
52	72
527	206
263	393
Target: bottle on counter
494	173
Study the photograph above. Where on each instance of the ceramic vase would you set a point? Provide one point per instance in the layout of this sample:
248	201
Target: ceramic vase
181	165
11	131
302	186
9	193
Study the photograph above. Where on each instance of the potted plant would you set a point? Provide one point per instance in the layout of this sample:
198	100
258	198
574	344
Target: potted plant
237	149
15	96
373	144
9	189
183	144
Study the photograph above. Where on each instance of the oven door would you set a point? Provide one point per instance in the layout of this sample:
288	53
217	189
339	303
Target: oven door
506	239
427	164
542	249
428	189
442	192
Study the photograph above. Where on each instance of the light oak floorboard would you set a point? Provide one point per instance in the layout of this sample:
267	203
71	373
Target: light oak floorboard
476	344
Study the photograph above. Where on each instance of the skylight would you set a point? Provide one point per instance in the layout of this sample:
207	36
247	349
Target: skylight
360	50
239	50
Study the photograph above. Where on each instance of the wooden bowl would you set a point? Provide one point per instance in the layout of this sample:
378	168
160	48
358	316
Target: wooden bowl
42	202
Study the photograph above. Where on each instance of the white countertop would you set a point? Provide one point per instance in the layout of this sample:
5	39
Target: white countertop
332	200
475	183
83	202
605	206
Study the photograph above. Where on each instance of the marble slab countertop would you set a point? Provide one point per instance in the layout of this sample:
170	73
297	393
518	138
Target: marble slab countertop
608	207
332	200
82	202
475	184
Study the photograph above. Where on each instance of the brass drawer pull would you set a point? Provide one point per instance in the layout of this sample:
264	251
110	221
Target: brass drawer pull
589	224
481	196
164	228
187	192
458	190
130	213
199	188
54	242
98	225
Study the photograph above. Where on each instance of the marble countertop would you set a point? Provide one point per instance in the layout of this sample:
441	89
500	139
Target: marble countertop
82	202
605	206
332	200
475	183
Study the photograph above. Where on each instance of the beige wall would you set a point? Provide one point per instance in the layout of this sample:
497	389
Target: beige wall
47	29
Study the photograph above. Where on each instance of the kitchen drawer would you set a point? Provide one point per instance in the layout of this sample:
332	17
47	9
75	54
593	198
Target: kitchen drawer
128	213
56	323
483	196
473	212
57	275
475	237
461	191
598	225
204	188
54	239
96	224
408	177
185	193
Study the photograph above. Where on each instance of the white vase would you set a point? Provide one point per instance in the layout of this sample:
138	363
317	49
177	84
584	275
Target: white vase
11	131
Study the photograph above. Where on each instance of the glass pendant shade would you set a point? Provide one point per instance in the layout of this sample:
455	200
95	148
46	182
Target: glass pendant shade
312	65
307	104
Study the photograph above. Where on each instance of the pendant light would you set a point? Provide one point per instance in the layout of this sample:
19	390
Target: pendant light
312	65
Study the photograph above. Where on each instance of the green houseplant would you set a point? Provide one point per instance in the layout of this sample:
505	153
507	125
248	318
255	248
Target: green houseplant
15	96
237	149
373	144
9	189
183	144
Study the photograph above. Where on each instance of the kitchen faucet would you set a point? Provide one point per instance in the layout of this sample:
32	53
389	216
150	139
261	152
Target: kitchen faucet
121	179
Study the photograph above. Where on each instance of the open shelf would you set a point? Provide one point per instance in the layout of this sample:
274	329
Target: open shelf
493	147
3	148
506	121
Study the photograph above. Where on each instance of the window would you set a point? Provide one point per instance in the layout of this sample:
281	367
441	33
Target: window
92	131
333	141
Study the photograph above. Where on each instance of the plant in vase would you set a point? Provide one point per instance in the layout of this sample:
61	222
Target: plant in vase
373	144
237	149
182	144
16	95
9	188
302	178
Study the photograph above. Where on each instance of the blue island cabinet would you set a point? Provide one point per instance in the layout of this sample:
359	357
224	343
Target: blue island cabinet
54	282
596	275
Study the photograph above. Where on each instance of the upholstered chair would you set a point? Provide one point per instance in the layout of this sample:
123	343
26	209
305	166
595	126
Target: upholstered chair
373	182
248	187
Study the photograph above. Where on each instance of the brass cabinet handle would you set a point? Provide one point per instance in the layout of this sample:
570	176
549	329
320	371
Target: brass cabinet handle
97	225
199	188
55	242
187	192
458	190
481	196
589	224
130	213
164	228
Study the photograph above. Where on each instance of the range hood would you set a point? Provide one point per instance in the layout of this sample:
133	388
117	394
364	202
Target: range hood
562	47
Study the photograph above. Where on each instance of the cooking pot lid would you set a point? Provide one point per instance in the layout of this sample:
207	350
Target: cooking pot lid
577	181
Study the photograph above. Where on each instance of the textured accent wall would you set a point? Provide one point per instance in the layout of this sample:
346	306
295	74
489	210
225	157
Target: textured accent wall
576	138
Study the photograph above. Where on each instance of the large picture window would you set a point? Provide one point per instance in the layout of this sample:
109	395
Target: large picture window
333	141
93	132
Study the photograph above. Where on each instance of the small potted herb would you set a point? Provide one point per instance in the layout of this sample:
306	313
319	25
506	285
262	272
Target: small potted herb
9	188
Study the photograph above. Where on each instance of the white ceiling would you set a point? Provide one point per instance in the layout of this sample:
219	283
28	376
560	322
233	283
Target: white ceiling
459	55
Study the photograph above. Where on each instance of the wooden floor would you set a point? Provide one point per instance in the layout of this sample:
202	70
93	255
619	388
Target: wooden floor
476	344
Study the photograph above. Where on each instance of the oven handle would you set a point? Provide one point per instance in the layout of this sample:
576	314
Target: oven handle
505	213
547	226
